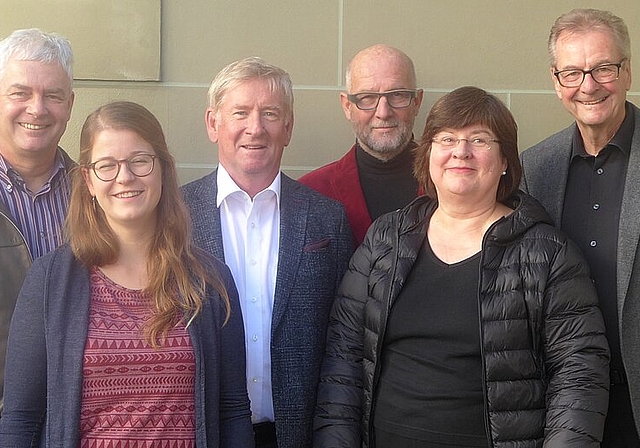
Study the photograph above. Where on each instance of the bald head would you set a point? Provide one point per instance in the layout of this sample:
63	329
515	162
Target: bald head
371	58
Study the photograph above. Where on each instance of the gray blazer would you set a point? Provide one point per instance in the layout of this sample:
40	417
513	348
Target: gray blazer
315	247
545	171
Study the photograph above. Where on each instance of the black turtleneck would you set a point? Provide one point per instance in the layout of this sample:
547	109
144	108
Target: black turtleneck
389	185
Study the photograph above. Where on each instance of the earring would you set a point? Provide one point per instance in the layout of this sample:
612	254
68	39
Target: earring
93	202
504	173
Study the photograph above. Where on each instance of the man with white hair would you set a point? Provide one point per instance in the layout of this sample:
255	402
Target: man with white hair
36	98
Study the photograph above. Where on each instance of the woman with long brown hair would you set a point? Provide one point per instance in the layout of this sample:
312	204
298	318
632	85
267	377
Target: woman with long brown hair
129	333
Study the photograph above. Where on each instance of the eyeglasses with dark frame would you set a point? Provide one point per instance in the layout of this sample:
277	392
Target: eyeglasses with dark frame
602	74
450	142
397	99
107	169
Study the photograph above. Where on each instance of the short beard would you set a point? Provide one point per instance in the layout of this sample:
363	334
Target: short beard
386	147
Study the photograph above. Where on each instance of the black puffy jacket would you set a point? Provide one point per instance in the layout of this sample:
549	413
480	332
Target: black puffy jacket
545	356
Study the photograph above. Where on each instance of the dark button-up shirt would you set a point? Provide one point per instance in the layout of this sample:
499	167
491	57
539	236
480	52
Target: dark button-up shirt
592	203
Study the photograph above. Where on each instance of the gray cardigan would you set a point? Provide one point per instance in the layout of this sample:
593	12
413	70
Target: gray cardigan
546	167
43	381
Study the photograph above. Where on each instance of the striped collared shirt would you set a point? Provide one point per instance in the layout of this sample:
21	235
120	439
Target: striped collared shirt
40	215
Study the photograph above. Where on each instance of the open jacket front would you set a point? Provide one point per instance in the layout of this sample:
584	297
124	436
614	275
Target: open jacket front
544	353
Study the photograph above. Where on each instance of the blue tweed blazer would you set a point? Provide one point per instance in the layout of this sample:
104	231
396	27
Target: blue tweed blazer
316	244
546	168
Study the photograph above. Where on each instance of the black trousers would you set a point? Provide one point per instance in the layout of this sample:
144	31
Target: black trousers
265	435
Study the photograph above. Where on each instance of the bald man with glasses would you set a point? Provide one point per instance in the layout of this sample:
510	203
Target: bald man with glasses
376	175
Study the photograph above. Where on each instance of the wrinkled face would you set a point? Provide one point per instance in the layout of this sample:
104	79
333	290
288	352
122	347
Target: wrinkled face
592	104
251	127
465	171
128	201
384	131
35	106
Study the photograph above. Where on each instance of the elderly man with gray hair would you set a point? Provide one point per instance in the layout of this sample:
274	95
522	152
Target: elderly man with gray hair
587	176
36	97
376	175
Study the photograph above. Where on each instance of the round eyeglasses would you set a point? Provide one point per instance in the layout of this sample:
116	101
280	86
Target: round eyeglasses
107	169
397	99
602	74
449	142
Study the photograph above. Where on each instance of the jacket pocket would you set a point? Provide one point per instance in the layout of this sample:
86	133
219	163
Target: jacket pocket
317	245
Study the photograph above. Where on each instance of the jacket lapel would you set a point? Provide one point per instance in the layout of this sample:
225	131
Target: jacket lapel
558	159
629	224
347	185
293	222
206	216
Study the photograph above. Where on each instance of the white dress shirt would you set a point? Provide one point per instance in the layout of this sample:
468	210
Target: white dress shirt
250	237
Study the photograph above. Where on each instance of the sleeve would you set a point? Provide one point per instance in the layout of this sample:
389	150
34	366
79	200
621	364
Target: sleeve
235	412
338	413
25	387
576	355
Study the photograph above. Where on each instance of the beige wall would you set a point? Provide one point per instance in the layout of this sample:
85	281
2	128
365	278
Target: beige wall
126	33
499	45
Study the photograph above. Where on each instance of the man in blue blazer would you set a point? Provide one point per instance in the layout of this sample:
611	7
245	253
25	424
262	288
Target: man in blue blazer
588	178
286	245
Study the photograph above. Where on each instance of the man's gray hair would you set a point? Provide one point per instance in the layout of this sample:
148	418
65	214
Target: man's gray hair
246	70
33	44
587	20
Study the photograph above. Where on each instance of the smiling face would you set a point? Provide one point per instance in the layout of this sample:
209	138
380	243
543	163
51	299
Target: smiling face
35	106
464	172
252	127
128	201
599	107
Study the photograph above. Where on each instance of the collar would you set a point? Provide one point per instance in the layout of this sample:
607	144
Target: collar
10	175
227	186
366	161
621	139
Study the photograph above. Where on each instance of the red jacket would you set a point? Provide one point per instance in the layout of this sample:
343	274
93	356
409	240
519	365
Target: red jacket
339	180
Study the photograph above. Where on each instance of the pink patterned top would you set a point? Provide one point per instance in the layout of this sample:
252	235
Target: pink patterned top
132	394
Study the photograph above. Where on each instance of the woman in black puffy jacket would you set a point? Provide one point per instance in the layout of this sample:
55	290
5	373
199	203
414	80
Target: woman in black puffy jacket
465	319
